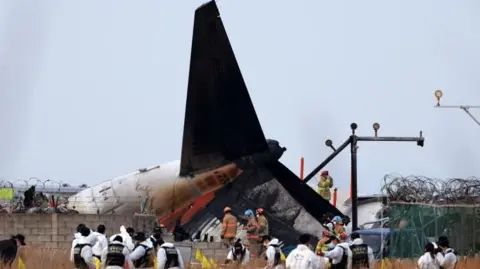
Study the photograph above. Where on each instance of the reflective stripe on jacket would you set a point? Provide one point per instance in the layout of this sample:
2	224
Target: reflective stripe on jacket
229	226
252	229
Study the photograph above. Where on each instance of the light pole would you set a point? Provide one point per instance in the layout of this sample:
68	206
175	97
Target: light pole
352	141
438	94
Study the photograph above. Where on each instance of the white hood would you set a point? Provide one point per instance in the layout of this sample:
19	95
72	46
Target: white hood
91	238
357	241
167	245
127	239
274	241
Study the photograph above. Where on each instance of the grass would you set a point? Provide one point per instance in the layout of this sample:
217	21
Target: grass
47	258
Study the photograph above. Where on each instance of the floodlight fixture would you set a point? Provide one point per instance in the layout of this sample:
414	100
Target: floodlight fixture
376	127
438	95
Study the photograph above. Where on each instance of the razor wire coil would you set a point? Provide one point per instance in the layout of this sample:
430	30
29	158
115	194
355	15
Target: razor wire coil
421	189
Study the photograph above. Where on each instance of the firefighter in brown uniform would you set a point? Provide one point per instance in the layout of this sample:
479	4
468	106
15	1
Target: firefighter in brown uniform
263	230
229	227
252	234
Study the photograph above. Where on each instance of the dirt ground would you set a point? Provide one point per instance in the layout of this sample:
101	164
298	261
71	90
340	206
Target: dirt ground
42	258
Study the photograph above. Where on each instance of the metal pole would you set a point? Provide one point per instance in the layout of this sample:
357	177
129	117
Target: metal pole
353	141
471	116
354	194
438	94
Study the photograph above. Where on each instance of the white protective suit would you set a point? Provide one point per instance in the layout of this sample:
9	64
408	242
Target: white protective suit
371	256
270	253
336	254
162	257
102	242
127	239
86	252
246	257
304	258
447	259
126	253
427	262
92	239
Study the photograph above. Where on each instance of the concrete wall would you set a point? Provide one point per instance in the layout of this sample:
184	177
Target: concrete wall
56	230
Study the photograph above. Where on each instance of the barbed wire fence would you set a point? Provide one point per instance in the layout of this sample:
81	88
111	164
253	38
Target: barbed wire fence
35	195
420	209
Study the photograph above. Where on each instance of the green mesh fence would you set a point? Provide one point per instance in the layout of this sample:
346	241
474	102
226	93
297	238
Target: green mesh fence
413	225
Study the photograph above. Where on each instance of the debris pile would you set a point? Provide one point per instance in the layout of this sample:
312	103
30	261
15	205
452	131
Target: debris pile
32	202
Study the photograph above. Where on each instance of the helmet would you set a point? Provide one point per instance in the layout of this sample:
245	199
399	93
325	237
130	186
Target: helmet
326	233
324	173
259	210
227	209
343	236
249	212
337	219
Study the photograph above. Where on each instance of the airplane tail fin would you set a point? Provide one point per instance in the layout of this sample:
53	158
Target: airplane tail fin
221	126
220	120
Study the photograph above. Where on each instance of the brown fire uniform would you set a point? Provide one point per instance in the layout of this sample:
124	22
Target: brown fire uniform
252	236
229	228
262	230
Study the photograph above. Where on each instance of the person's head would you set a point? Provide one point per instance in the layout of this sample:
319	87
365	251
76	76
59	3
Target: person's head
304	239
443	242
338	221
328	217
266	239
326	234
324	174
334	240
227	210
260	211
80	226
354	236
158	243
139	237
249	214
118	238
130	231
429	247
157	232
85	231
101	229
20	239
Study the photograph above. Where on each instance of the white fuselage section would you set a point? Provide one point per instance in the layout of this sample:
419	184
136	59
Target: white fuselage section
124	194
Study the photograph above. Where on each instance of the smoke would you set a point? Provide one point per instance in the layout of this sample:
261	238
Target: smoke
167	198
22	36
183	191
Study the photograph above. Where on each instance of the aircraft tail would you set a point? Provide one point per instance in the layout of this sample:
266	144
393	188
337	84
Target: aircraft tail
221	127
220	120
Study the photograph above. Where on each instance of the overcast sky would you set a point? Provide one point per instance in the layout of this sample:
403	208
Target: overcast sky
93	90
